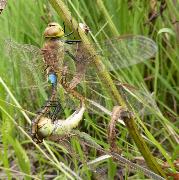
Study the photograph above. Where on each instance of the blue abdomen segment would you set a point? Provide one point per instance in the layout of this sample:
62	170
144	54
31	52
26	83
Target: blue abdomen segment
52	78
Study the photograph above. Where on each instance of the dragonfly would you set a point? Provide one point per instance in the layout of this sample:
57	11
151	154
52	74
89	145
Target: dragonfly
67	62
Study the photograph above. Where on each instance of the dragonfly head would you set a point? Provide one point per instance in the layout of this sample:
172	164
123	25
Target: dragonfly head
53	30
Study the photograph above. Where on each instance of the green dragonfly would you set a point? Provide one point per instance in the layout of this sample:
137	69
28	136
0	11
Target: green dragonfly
66	62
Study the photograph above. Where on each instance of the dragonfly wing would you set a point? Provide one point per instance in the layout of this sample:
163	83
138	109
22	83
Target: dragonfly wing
127	50
79	58
91	87
117	53
139	100
27	64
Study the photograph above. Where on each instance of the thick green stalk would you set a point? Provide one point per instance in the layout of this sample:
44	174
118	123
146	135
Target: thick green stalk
63	11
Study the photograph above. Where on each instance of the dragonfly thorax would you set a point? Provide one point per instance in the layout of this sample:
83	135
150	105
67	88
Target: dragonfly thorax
53	53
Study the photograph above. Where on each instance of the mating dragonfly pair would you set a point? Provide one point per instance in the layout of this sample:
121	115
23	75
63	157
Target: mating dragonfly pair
66	62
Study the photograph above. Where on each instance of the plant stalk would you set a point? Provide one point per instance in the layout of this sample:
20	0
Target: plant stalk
65	14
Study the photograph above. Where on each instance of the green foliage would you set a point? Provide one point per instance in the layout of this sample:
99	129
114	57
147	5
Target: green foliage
23	160
24	22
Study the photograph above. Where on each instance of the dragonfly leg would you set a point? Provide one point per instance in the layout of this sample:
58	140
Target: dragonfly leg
57	108
48	104
72	41
69	34
64	29
70	55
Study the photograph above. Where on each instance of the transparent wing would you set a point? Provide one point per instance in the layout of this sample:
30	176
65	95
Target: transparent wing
116	53
128	50
27	65
121	52
138	100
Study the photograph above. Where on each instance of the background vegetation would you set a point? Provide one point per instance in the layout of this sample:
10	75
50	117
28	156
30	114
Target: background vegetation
24	22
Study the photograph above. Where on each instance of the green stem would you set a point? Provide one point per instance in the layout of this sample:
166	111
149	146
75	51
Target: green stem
107	16
63	11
